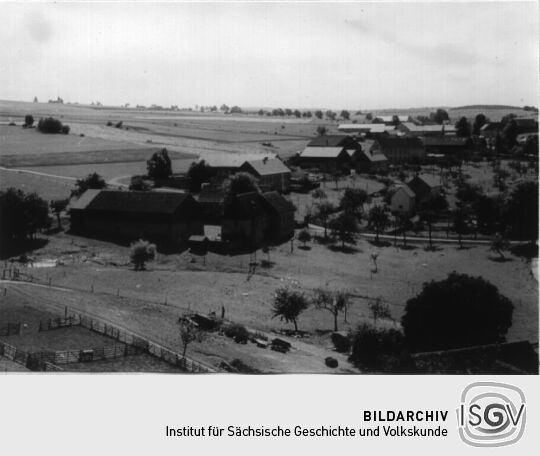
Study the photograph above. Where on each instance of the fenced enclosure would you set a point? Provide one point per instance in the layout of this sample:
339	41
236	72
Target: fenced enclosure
11	329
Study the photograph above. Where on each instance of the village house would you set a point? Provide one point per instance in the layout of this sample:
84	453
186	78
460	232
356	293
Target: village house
411	129
253	220
447	145
330	153
402	200
170	217
400	150
425	187
367	130
271	173
370	160
490	130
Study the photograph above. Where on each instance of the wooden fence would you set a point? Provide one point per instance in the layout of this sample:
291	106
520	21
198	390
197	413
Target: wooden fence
80	356
55	323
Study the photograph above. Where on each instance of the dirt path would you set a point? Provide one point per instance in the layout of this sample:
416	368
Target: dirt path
36	173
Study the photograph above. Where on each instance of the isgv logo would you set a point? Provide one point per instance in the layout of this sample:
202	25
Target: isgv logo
491	414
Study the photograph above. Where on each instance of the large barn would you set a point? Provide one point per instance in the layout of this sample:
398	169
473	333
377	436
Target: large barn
170	217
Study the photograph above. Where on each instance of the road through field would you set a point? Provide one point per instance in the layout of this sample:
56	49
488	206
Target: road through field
37	173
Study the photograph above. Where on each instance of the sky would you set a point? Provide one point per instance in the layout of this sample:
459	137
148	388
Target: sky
289	55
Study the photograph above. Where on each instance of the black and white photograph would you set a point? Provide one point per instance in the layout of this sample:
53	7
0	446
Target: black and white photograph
269	188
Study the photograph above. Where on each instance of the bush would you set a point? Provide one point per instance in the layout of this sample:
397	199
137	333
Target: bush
139	184
119	124
109	124
237	332
66	129
457	312
49	125
379	349
140	253
28	120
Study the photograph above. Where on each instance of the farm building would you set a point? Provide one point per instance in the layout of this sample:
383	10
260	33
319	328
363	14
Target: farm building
369	130
368	161
400	150
130	215
491	129
411	129
402	200
280	213
527	126
425	187
210	200
226	164
254	219
446	144
271	173
330	153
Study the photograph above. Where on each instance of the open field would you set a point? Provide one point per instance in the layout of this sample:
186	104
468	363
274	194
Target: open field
47	187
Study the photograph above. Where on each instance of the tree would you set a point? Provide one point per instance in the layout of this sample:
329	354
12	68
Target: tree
379	349
461	220
459	311
139	184
404	224
332	301
324	210
65	129
479	121
198	173
353	200
510	132
319	193
330	115
159	165
189	333
304	236
49	125
429	212
379	310
58	206
288	305
369	116
28	120
344	227
522	212
288	112
237	184
378	220
439	116
499	244
322	130
395	120
22	215
488	211
93	181
345	114
297	113
318	114
236	110
463	128
140	253
224	108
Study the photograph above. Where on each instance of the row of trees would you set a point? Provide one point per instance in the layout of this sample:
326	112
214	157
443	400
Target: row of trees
329	114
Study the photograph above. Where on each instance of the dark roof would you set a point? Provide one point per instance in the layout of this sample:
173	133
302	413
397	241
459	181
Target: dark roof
245	206
529	123
397	142
431	181
134	201
278	202
491	126
445	141
267	167
322	152
331	141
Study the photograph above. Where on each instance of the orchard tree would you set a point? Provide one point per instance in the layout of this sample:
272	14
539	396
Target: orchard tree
335	302
140	253
353	200
304	237
189	333
430	210
288	305
344	227
57	207
459	311
91	182
159	165
499	244
379	310
378	220
323	212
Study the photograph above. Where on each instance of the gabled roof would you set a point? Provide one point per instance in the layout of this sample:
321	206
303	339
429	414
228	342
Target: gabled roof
267	167
331	141
431	181
277	202
231	160
395	142
84	200
529	123
371	128
133	201
245	206
419	129
408	191
321	152
401	118
491	126
373	157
